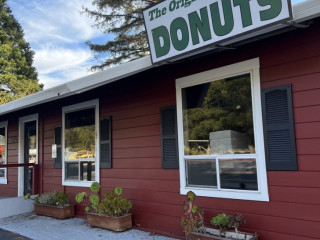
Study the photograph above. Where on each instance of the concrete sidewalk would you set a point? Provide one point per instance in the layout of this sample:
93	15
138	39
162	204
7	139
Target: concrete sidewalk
45	228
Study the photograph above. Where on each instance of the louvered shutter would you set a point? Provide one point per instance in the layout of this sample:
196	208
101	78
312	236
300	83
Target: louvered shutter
169	144
279	128
57	141
105	143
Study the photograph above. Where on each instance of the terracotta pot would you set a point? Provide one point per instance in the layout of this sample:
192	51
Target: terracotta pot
117	224
54	211
211	233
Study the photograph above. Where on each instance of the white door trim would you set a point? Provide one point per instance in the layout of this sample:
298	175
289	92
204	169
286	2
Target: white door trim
22	121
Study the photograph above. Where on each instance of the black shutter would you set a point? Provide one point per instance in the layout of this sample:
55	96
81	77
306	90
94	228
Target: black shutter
57	141
279	128
105	143
169	144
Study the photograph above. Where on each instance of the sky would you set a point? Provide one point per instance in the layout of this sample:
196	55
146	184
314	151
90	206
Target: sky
57	32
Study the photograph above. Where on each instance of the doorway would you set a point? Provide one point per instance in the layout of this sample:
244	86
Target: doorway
30	153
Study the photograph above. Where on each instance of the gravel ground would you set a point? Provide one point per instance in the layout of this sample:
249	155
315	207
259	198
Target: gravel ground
46	228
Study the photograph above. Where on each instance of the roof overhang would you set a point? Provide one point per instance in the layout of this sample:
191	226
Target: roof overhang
79	85
302	12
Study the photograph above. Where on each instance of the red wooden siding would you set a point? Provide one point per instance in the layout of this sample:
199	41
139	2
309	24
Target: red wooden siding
11	189
134	105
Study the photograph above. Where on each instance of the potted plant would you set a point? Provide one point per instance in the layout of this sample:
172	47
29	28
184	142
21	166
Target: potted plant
54	204
194	229
110	212
192	219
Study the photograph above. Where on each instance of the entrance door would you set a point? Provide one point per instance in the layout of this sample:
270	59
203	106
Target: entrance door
30	153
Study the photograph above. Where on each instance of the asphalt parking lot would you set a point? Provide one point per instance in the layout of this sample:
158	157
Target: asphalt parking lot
6	235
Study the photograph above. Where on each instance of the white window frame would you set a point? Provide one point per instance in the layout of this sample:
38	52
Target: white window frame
4	180
74	108
22	121
251	67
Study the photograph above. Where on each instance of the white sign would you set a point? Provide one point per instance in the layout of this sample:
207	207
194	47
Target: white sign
176	27
54	151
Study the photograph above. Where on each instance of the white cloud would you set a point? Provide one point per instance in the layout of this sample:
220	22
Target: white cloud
49	60
58	65
56	30
69	74
54	21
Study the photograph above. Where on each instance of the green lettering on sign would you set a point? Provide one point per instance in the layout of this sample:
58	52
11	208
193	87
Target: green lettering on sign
179	25
274	10
158	34
245	11
199	25
219	29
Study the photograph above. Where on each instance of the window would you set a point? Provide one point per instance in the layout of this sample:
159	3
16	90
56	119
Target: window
3	151
220	133
80	144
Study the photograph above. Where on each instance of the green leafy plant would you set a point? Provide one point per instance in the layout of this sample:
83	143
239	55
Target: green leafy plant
113	204
192	219
59	199
235	221
221	221
94	198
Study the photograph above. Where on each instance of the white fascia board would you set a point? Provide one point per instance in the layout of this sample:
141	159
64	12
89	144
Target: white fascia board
79	85
110	75
306	10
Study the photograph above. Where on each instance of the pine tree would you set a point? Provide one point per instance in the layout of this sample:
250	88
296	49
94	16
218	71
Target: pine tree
18	77
124	20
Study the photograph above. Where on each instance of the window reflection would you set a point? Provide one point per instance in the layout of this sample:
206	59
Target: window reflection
2	145
2	173
217	117
238	174
202	173
32	143
80	134
80	144
2	151
87	172
72	171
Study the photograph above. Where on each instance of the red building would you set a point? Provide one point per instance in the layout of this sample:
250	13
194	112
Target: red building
239	125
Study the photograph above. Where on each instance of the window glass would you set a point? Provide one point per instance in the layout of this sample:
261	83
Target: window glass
202	173
72	171
218	122
2	173
80	145
238	174
87	172
80	134
217	117
2	151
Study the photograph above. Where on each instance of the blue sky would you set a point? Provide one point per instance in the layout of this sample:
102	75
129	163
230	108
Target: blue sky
57	31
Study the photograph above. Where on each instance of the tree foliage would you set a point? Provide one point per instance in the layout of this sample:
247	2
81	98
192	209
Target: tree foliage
220	105
124	20
18	77
226	105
